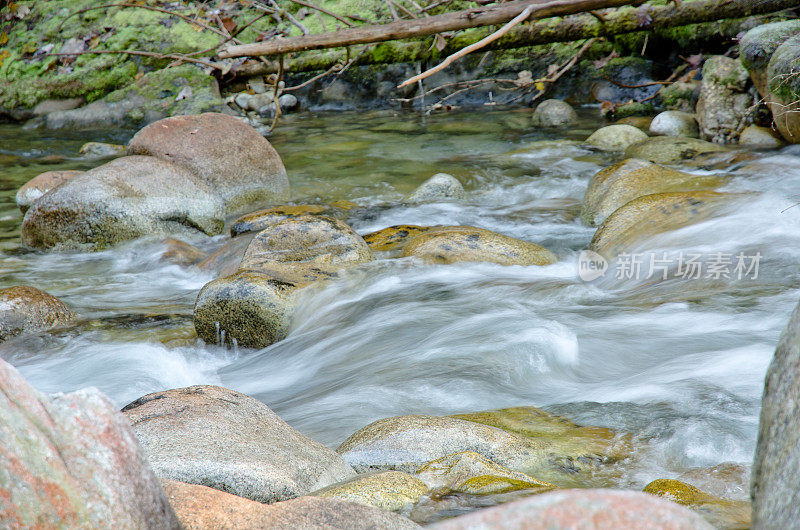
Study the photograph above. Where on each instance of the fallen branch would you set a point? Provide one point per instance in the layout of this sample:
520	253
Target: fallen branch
470	18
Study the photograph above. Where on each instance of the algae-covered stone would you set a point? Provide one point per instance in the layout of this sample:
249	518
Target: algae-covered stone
223	439
393	237
649	215
126	198
230	156
757	46
619	184
616	137
760	138
101	150
469	472
466	243
41	184
674	123
28	309
679	96
722	513
671	149
554	113
388	490
783	89
256	221
725	104
440	187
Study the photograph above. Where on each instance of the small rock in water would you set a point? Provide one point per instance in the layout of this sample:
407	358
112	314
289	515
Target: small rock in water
672	149
721	513
440	187
760	138
590	509
53	105
259	101
101	150
640	122
72	461
41	184
616	137
181	253
674	123
388	490
242	99
223	439
288	103
554	113
27	309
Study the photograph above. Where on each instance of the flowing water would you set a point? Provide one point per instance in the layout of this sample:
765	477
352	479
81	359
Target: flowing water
678	363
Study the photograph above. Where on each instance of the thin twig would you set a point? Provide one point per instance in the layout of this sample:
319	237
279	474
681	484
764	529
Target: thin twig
392	10
303	29
336	67
471	48
402	8
321	10
275	94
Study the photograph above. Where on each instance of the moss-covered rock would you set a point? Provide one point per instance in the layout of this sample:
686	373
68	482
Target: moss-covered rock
438	188
674	123
619	184
553	113
672	150
783	89
101	150
649	215
257	221
388	490
725	104
451	244
679	96
724	514
616	137
627	110
757	46
28	309
393	237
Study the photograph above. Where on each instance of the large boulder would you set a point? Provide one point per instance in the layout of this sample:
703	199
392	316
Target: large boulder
438	188
226	440
757	46
387	490
126	198
451	244
649	215
202	508
41	184
27	309
783	89
616	137
776	466
586	509
674	123
723	513
616	185
553	113
72	461
724	107
672	149
230	156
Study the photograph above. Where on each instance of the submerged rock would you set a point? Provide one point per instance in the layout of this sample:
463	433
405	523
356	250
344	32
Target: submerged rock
728	479
223	439
101	150
674	123
783	89
721	513
230	156
202	508
72	461
724	107
393	237
126	198
671	150
451	244
181	253
389	490
776	466
757	46
225	260
590	509
653	214
616	137
554	113
27	309
41	184
760	138
257	221
440	187
619	184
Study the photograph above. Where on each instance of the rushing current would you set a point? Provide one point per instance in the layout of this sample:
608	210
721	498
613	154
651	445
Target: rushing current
679	363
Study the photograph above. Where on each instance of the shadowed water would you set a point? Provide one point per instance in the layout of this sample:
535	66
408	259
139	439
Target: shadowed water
678	363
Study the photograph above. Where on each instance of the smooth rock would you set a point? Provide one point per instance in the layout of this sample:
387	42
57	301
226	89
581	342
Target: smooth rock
72	461
101	150
469	472
27	309
440	187
674	123
393	237
52	105
646	216
288	103
776	465
757	137
640	122
258	101
243	100
223	439
387	490
261	219
124	199
783	89
554	113
757	46
225	260
230	156
671	149
616	137
452	244
202	508
616	185
95	115
41	184
721	513
725	105
584	509
181	253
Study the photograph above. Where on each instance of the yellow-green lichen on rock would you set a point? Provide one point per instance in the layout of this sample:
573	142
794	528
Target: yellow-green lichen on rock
724	514
261	219
393	237
388	490
672	149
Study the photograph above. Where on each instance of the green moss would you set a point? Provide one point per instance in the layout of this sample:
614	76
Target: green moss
633	109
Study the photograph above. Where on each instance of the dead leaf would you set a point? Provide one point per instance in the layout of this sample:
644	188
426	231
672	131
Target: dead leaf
441	42
228	23
93	42
3	55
